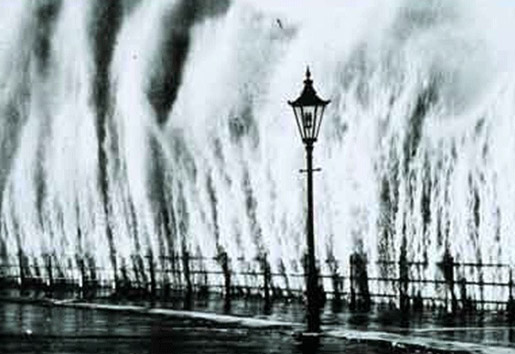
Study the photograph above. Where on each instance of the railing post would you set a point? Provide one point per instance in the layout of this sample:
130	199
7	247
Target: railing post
360	295
454	303
224	262
93	282
165	282
187	274
418	302
352	271
448	270
50	280
510	307
335	279
152	271
21	270
403	282
122	282
82	280
287	288
481	285
116	280
466	303
267	275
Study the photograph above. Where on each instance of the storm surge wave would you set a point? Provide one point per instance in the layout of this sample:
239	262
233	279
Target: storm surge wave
156	128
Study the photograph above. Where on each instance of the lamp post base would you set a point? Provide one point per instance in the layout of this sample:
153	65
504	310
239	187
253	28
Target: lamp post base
308	341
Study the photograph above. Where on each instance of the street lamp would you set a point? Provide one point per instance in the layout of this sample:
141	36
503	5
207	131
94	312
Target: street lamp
308	110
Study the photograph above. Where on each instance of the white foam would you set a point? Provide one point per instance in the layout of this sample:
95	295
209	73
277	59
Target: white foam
227	319
412	340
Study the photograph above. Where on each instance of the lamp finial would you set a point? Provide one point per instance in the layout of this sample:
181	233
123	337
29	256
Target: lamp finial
308	80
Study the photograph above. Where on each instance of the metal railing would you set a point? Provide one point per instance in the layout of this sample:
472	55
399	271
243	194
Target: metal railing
405	284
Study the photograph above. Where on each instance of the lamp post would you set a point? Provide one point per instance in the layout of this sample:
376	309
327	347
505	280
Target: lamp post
308	109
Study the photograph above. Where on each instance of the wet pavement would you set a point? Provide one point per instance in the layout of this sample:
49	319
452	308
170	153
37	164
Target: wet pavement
29	328
33	325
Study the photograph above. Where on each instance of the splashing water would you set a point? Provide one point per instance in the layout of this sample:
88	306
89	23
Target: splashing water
132	127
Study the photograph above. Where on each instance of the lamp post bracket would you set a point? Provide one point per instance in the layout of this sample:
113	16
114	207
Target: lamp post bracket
318	169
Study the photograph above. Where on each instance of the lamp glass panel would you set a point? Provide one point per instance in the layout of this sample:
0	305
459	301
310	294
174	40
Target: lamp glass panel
320	113
297	110
309	121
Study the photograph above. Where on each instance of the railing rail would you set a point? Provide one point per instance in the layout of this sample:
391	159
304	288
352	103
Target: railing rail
403	282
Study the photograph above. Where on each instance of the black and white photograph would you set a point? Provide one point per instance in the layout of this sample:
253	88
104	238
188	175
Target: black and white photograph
257	176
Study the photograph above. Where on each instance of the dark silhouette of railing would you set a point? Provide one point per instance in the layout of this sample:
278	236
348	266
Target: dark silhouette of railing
399	283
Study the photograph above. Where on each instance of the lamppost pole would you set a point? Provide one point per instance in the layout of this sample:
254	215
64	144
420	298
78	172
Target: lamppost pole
309	110
313	315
